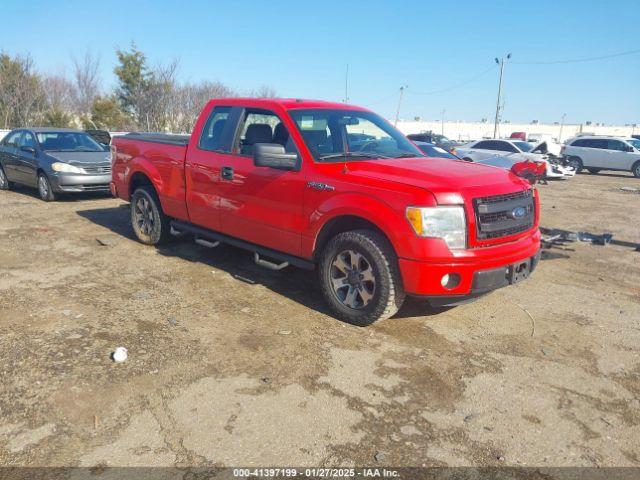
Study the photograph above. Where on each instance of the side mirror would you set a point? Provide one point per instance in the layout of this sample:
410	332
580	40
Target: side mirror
27	149
273	155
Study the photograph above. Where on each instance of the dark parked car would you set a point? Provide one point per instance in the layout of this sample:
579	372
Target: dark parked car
54	160
438	140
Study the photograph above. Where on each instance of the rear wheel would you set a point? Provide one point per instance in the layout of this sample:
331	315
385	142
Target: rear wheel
5	184
149	222
594	170
636	169
576	163
359	277
45	191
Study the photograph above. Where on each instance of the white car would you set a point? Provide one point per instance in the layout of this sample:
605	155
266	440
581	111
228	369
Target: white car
596	153
517	151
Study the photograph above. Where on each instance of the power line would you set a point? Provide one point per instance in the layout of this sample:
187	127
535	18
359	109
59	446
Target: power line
579	60
466	82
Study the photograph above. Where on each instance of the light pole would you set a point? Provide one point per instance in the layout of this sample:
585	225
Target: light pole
500	62
561	126
399	104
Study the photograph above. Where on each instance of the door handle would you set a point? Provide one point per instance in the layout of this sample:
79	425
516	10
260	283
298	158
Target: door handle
227	173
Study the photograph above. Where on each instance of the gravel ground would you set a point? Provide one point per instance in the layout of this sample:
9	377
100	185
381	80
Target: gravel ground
230	364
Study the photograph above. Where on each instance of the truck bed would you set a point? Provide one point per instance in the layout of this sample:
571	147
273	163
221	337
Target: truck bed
166	138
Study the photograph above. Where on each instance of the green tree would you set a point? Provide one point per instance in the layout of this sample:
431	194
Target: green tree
107	114
57	118
134	79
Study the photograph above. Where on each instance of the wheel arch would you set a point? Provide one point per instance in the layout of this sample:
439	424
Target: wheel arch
344	223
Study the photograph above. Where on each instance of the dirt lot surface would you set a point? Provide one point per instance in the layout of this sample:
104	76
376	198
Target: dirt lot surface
231	365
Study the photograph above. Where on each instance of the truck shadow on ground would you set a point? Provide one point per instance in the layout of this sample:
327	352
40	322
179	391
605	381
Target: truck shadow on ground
296	284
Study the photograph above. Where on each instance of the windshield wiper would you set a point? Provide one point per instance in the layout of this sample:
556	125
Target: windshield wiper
408	155
351	155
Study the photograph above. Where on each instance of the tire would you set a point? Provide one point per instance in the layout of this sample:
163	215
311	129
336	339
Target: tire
467	159
636	169
576	163
5	184
149	222
378	292
594	171
45	191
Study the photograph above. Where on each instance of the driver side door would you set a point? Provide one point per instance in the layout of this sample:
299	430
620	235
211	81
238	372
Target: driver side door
262	205
27	161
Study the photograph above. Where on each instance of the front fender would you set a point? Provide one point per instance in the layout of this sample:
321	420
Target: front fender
384	216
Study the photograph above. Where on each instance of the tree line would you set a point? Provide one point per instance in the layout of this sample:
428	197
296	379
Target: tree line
145	97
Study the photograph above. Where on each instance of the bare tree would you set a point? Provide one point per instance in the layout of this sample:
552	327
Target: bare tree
87	81
265	91
22	98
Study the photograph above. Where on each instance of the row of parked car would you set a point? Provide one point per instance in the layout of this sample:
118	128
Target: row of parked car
586	152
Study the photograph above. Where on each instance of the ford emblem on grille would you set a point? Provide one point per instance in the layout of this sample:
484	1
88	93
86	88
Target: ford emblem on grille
518	212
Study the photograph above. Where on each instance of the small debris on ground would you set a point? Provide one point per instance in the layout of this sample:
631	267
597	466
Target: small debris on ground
106	241
500	458
173	321
630	189
469	417
546	351
285	332
119	355
379	456
142	295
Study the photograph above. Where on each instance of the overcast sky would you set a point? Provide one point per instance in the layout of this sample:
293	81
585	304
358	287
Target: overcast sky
444	51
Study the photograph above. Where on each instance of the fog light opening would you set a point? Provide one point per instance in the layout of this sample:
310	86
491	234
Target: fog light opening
450	280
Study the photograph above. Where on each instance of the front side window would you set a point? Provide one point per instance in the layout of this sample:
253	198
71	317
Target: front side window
635	143
485	145
68	142
211	137
28	140
335	135
616	145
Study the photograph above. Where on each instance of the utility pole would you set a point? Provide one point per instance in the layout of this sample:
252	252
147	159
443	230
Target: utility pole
346	85
399	104
442	122
500	62
561	126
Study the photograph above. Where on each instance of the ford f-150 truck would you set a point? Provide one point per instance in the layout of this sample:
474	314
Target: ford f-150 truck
336	188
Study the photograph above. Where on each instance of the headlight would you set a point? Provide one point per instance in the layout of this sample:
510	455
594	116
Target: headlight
66	168
448	223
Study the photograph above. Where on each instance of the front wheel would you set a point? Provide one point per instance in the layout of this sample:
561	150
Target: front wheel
149	222
636	169
359	277
593	171
45	191
576	163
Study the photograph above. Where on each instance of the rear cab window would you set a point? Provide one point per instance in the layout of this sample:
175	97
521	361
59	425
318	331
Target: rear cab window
215	135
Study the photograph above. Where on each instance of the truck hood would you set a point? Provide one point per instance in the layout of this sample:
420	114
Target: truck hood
446	179
82	158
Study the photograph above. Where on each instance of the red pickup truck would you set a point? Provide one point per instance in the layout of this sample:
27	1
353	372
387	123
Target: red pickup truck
334	187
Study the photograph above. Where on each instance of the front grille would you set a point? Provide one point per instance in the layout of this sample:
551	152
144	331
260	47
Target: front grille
98	170
496	215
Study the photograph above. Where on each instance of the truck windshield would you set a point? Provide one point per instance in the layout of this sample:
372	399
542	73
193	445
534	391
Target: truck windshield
339	135
68	142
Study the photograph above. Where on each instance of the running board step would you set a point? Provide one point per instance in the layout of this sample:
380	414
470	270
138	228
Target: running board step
267	264
207	243
213	237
